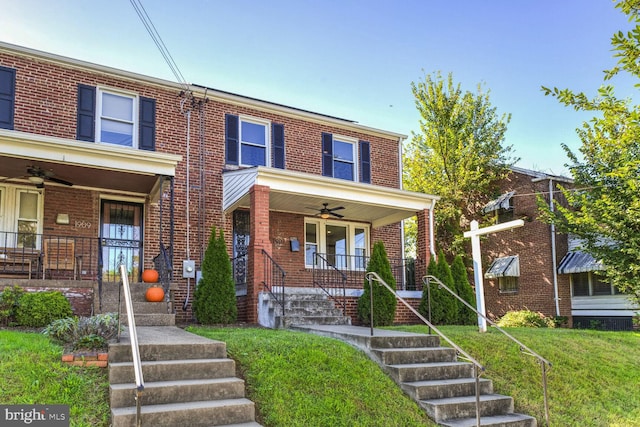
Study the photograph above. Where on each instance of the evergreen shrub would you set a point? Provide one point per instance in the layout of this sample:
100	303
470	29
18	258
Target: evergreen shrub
38	309
384	302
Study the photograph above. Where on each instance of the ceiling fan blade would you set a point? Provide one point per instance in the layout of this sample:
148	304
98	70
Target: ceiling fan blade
59	181
336	215
336	209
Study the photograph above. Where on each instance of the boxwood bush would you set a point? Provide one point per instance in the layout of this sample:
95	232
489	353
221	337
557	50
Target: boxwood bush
525	318
38	309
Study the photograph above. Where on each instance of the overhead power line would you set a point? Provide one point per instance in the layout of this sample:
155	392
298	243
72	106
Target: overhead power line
155	36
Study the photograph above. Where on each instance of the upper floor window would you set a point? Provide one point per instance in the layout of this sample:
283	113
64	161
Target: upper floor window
114	117
253	142
7	97
116	112
346	158
502	208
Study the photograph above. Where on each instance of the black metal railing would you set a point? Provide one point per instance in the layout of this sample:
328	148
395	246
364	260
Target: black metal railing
48	256
406	271
274	277
239	264
162	264
544	363
331	280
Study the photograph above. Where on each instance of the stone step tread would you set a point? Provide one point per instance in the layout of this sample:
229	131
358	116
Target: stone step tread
193	382
467	399
428	365
171	362
444	382
183	406
496	420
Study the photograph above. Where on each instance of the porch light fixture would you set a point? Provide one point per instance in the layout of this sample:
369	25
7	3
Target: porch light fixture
36	180
62	219
324	215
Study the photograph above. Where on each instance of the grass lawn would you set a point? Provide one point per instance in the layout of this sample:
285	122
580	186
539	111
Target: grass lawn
298	379
32	373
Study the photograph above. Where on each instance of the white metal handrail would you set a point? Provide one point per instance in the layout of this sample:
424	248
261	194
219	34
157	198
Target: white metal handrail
477	367
544	363
133	336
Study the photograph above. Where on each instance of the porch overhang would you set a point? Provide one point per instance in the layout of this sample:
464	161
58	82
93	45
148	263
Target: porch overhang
85	164
304	193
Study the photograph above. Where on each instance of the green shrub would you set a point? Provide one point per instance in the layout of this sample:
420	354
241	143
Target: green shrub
526	319
444	306
214	300
9	303
384	302
38	309
466	316
82	333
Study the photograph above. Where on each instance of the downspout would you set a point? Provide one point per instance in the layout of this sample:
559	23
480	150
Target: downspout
553	251
188	203
432	239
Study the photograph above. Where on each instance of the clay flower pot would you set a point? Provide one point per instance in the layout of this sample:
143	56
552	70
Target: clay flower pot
155	294
150	276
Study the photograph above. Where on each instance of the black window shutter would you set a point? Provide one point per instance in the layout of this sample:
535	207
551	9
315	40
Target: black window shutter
7	97
231	139
277	145
85	130
147	125
327	154
365	162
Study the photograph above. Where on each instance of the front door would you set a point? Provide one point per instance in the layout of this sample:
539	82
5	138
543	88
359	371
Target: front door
121	239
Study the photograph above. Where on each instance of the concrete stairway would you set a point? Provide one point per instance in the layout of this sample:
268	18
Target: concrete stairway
189	381
146	313
307	306
432	376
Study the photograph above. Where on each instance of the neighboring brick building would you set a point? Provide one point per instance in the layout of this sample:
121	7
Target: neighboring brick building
520	264
534	267
98	161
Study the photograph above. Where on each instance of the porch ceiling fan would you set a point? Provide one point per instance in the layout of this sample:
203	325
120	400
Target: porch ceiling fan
36	175
326	212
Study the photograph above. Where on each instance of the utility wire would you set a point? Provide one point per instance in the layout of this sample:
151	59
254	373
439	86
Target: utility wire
155	36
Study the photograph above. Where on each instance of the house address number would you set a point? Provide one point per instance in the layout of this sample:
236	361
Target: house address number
83	224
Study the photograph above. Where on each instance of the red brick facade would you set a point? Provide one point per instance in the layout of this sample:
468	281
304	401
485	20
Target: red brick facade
46	99
533	244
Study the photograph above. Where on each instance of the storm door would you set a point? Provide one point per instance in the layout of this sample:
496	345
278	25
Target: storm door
121	239
240	247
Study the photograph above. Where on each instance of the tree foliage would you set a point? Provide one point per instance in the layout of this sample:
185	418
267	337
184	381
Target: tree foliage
384	302
458	153
604	212
215	295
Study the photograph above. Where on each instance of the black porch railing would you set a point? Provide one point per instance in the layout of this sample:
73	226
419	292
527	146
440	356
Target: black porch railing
331	280
274	277
48	256
407	271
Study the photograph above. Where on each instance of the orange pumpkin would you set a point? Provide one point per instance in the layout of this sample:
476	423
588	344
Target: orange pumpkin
154	294
150	276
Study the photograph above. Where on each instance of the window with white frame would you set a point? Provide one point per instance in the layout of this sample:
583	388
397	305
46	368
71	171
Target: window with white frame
590	284
344	158
116	118
342	244
254	142
20	216
508	284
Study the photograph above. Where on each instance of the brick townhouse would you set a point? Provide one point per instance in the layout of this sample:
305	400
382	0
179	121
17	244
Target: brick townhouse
101	167
536	268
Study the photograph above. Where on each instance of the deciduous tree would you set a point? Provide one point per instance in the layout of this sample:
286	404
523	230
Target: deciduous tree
458	154
605	211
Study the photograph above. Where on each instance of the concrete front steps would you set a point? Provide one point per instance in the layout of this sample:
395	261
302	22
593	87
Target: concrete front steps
307	306
432	376
146	313
189	381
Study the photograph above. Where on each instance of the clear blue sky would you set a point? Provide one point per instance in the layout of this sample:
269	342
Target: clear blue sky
353	59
